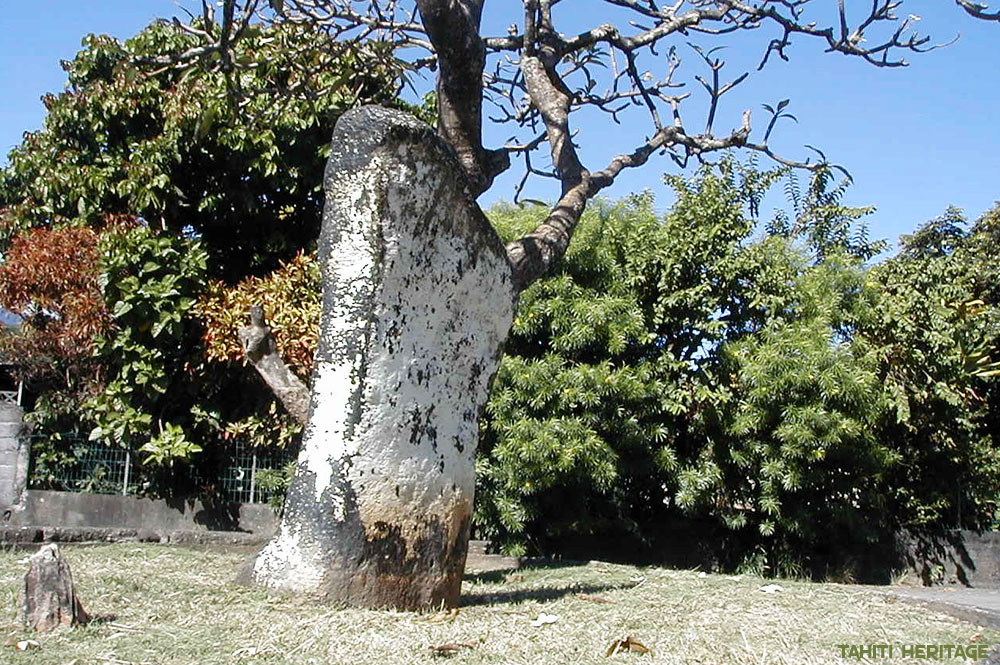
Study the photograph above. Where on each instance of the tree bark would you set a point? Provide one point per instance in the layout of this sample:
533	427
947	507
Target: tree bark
49	599
262	352
453	28
532	255
417	302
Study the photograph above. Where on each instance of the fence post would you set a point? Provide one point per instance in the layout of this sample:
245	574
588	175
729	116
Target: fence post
253	478
128	468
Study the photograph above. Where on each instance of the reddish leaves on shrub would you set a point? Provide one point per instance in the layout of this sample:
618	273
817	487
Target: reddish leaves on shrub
49	278
291	300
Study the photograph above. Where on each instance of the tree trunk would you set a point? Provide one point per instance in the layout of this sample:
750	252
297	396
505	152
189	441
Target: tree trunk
417	302
49	599
262	352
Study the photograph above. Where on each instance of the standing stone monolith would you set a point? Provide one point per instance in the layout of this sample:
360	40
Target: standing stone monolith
49	599
417	302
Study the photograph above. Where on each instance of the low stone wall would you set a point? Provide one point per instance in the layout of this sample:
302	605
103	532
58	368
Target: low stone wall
967	559
72	510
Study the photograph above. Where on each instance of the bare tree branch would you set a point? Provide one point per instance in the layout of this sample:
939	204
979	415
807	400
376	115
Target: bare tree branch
535	76
453	28
978	10
534	254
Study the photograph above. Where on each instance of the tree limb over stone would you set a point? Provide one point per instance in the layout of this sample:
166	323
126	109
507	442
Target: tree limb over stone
537	75
49	599
261	350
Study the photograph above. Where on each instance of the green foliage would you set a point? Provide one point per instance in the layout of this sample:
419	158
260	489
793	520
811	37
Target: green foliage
821	220
274	483
936	333
272	427
150	284
797	406
235	159
791	459
587	423
51	454
227	168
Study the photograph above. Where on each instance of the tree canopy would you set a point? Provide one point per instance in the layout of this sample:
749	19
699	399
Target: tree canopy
782	404
148	187
181	151
626	63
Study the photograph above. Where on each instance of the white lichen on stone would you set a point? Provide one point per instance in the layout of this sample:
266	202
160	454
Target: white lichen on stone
284	559
417	303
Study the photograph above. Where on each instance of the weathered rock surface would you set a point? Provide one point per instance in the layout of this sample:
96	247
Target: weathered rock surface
417	302
49	599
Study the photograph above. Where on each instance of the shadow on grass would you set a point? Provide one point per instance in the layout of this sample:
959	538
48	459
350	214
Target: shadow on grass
541	594
100	619
500	574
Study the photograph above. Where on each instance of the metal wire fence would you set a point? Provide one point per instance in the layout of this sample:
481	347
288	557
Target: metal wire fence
239	475
231	470
74	464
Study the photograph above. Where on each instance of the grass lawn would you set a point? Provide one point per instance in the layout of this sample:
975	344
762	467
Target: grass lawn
172	605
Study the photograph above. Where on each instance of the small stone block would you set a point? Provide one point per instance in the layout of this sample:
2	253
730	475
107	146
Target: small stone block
49	599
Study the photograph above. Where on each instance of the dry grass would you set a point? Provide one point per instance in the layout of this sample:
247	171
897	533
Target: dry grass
172	605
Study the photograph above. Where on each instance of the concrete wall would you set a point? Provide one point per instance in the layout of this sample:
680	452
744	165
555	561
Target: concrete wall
13	456
107	511
21	508
965	558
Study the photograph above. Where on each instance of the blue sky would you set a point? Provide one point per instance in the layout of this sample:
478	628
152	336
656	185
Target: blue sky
916	139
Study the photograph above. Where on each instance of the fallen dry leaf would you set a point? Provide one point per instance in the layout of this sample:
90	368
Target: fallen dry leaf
628	645
450	649
442	617
24	645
